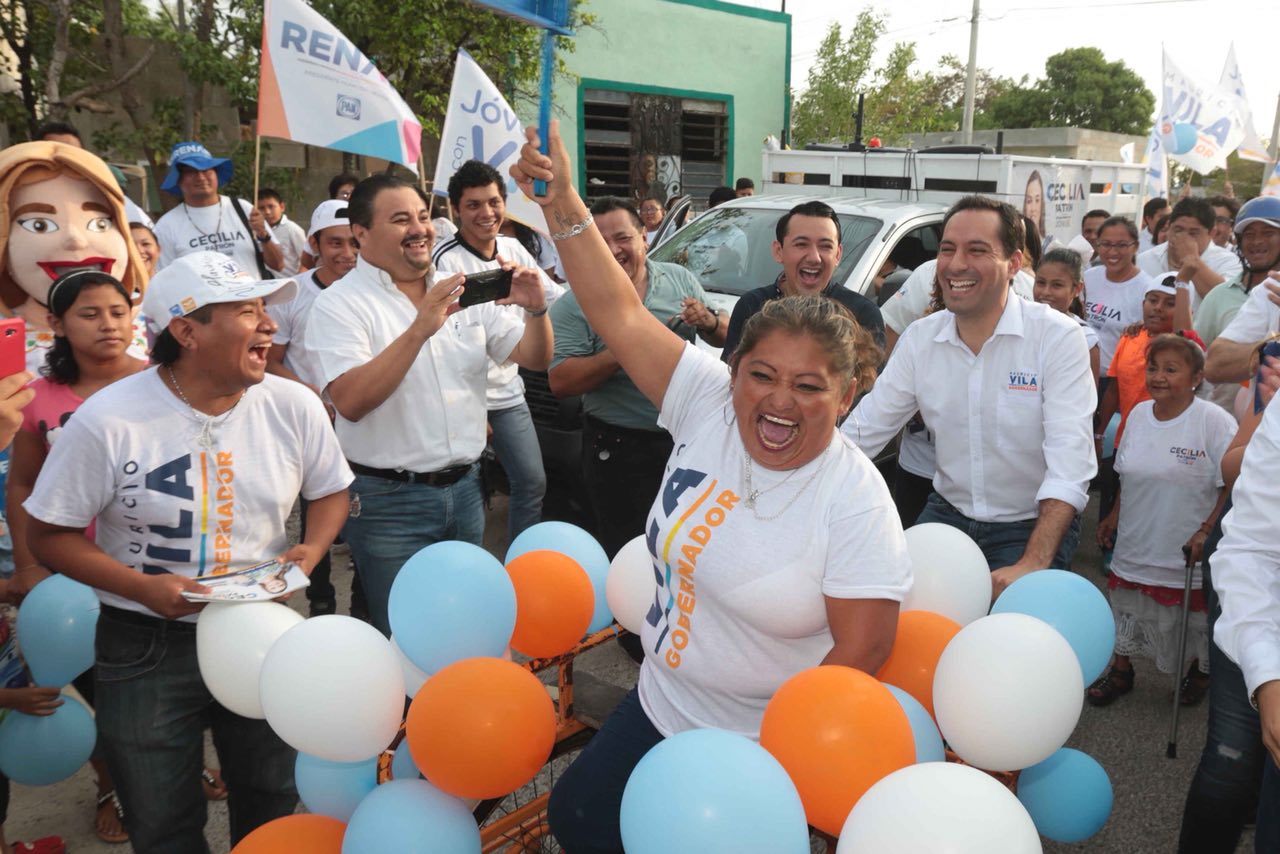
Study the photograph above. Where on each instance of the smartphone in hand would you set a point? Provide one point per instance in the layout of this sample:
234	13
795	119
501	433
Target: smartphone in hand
13	346
1271	348
486	286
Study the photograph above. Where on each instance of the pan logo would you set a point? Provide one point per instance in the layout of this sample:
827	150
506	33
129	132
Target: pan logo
348	107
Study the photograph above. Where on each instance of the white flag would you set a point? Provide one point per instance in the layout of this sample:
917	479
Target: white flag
1272	186
479	124
1199	125
1157	166
317	87
1251	148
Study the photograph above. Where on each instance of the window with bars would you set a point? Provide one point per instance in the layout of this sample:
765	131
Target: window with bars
639	144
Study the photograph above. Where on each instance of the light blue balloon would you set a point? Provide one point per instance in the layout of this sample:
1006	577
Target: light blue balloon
582	547
40	750
402	765
451	601
923	729
1073	606
713	791
1109	437
56	627
1068	796
334	789
411	817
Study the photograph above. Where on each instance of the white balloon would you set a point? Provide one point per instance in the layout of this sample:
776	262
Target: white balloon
232	641
1007	692
332	687
950	576
414	676
938	807
630	585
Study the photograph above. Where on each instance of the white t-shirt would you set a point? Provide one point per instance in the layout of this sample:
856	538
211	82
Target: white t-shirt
215	228
1111	307
1257	318
1170	474
293	242
1155	263
505	388
291	318
741	607
132	460
1091	339
911	301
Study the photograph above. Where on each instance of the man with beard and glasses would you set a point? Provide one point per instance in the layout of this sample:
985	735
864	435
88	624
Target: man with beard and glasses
405	370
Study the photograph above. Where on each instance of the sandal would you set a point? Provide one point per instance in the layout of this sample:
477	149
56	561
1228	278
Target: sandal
214	788
44	845
1195	685
111	804
1110	686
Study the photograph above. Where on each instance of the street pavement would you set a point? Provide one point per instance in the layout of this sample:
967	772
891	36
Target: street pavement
1128	738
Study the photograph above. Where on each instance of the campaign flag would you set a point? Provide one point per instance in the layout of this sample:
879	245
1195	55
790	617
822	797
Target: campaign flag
318	88
1272	186
1251	148
1157	186
1199	125
479	124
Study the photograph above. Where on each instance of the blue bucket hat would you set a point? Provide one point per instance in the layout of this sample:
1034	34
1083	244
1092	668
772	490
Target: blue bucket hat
196	156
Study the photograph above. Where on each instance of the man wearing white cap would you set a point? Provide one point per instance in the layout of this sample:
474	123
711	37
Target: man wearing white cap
189	469
206	221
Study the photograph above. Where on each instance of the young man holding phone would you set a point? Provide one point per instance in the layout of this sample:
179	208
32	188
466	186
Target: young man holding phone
479	195
405	369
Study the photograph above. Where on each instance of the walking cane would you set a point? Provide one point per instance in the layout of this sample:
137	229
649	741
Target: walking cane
1171	750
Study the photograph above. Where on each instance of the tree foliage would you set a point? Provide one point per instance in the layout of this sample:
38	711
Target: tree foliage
1080	88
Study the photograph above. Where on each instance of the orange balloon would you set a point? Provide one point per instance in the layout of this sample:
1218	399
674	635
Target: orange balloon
921	637
554	603
481	728
837	731
295	834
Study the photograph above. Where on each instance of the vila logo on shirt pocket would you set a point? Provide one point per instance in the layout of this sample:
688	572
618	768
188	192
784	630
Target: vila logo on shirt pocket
1024	381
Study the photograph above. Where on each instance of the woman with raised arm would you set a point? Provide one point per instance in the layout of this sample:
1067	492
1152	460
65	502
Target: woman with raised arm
774	540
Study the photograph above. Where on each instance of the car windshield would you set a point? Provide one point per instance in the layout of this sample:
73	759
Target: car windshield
730	250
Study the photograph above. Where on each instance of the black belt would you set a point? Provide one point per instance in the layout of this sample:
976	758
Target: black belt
599	426
444	477
136	618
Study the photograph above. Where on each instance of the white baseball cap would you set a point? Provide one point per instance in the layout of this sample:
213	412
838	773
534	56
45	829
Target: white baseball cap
1163	285
328	213
206	278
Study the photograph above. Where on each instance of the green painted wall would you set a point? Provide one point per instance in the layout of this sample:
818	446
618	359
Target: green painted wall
697	48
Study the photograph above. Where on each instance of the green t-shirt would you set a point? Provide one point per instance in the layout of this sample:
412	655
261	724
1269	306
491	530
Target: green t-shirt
617	401
1218	308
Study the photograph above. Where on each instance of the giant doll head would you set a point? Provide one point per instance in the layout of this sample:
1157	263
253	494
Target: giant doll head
60	209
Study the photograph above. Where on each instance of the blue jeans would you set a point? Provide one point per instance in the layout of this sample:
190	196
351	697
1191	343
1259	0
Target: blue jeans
1002	543
152	708
586	804
1224	791
391	521
516	444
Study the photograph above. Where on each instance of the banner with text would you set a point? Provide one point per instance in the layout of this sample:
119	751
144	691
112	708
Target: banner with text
1054	197
316	87
1157	167
479	124
1251	148
1199	125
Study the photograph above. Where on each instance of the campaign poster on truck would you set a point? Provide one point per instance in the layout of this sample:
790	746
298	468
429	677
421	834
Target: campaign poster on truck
1054	197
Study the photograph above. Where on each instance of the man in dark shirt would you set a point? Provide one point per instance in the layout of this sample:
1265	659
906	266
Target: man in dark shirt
808	248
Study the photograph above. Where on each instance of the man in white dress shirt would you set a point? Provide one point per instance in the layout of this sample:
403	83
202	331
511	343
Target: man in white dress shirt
1005	386
405	369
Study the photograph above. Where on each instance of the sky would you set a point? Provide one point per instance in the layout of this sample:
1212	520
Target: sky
1196	34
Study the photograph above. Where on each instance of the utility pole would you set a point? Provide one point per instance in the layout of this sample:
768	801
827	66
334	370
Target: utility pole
970	80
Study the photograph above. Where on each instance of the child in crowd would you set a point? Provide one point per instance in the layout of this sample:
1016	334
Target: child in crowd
1060	285
148	247
1171	493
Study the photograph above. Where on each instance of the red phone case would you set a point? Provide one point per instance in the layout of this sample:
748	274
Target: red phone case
13	346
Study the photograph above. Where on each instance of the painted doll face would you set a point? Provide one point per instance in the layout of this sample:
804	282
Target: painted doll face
59	225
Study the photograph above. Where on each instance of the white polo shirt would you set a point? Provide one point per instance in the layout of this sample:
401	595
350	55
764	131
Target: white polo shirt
291	330
1155	263
1246	565
506	389
1257	318
436	417
1012	424
911	301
